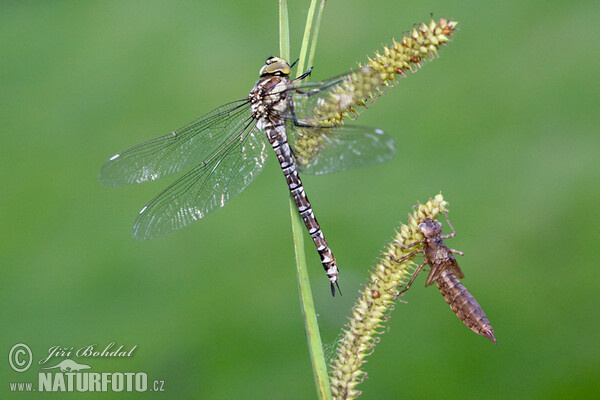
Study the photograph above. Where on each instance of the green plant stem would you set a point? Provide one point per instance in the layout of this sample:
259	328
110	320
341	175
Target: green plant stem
315	344
313	46
308	32
284	30
311	324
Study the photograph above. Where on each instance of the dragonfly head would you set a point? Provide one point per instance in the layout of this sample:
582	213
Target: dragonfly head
275	66
430	228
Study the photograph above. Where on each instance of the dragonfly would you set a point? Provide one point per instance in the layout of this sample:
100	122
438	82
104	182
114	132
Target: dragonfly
445	272
225	150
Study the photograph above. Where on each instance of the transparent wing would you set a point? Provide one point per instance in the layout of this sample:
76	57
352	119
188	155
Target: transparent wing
315	102
179	150
205	188
325	150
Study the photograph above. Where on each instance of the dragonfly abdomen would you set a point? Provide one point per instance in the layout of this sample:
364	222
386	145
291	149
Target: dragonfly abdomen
464	305
278	139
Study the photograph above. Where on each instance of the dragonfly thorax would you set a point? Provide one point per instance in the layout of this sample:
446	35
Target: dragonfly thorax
268	97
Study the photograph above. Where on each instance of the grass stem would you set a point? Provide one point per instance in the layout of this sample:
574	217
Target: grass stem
315	344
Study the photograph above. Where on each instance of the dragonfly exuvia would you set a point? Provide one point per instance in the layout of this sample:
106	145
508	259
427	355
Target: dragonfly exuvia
226	149
445	272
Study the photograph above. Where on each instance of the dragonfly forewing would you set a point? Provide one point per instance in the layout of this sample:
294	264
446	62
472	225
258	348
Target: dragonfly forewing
205	188
177	151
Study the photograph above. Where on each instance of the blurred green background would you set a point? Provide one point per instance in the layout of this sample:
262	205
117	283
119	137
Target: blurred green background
504	123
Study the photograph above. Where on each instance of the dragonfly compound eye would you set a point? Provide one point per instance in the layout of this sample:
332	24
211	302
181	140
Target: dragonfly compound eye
275	66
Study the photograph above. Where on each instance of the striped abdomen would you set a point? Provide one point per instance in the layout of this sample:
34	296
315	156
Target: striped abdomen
275	131
464	305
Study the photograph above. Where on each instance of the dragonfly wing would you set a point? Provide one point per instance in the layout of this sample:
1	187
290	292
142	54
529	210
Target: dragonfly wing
326	150
436	271
455	269
313	103
205	188
179	150
438	267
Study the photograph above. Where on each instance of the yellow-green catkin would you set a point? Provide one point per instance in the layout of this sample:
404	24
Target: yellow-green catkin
417	46
361	87
379	73
372	308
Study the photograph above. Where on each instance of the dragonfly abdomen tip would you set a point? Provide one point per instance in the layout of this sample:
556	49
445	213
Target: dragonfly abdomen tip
490	335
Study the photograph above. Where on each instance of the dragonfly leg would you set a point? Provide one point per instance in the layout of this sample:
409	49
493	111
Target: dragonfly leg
413	278
304	75
406	257
295	119
301	124
456	251
451	235
408	246
315	91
